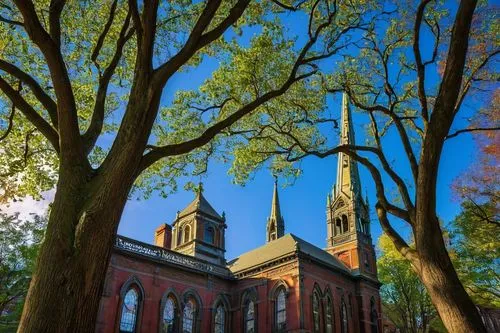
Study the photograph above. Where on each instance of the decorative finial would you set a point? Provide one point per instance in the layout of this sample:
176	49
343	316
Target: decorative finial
177	215
199	190
224	216
328	201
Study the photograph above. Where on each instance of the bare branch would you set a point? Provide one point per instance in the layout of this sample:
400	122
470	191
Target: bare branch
55	10
11	119
27	110
213	107
288	7
197	39
9	21
467	130
104	33
37	90
97	121
418	59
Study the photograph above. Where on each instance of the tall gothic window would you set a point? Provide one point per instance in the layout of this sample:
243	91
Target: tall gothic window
187	233
249	317
130	308
344	320
169	316
316	312
345	224
209	234
220	319
188	317
329	315
280	310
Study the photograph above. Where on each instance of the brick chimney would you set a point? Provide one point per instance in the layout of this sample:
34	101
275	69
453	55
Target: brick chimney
163	236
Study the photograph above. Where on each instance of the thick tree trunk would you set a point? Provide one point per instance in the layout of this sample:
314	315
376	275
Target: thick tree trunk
66	288
456	309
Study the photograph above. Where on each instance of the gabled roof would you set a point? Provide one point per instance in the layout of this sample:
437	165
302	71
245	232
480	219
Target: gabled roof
283	246
200	204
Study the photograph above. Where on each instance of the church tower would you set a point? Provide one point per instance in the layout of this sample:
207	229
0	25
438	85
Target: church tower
348	218
198	230
275	223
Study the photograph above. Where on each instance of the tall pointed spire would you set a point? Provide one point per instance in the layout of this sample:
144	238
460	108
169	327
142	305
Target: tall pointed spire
348	229
347	169
275	222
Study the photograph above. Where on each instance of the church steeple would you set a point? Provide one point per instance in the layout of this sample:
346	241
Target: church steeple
275	223
347	169
347	213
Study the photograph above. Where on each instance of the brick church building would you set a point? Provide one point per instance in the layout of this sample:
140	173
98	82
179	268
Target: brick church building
184	284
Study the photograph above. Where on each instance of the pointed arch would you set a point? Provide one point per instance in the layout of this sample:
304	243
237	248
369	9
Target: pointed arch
221	314
129	313
249	310
316	308
329	312
191	311
278	297
344	317
373	315
170	311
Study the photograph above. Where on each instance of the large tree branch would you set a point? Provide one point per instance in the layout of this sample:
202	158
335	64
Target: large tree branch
37	90
418	60
70	142
27	110
104	33
97	121
55	10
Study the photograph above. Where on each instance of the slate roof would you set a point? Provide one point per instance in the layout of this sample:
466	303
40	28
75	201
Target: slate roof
281	247
200	204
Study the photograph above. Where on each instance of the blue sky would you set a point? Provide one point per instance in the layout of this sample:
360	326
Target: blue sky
303	203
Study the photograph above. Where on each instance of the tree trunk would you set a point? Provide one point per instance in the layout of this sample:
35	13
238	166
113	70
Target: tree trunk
66	288
456	309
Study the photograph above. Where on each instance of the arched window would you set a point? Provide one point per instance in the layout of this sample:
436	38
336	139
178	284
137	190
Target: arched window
329	315
344	320
373	316
345	224
338	227
280	310
130	309
316	312
220	319
188	317
187	233
209	234
249	317
179	236
169	319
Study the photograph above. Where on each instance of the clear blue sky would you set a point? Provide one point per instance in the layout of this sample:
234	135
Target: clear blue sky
303	204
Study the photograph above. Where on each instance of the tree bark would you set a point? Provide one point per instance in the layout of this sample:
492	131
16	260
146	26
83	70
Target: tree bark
456	309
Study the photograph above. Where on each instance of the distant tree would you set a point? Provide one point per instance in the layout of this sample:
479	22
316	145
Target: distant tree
19	244
404	297
412	74
476	253
81	87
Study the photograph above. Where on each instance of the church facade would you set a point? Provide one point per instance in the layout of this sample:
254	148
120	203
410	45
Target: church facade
184	284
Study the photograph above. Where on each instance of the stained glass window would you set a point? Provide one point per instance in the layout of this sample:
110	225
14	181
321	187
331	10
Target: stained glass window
188	317
329	315
316	313
281	310
250	317
220	318
343	318
169	320
129	311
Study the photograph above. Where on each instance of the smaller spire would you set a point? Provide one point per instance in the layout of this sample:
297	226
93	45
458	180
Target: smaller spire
328	200
275	222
